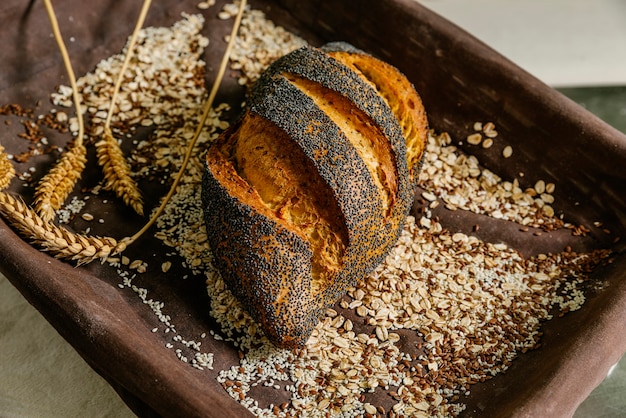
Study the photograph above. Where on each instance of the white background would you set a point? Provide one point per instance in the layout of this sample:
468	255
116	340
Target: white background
564	43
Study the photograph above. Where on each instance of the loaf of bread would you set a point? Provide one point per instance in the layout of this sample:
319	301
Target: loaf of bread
309	190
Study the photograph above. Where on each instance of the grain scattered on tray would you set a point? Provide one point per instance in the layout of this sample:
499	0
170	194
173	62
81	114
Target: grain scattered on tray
461	182
188	351
67	212
475	305
474	139
165	89
259	43
165	86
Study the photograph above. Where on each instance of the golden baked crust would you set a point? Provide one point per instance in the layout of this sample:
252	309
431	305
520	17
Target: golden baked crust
397	91
309	190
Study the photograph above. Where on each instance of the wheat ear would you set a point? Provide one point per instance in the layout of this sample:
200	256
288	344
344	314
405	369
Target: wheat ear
56	185
7	171
117	173
53	189
205	112
58	241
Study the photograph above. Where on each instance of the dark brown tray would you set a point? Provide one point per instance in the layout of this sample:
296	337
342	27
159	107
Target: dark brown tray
461	81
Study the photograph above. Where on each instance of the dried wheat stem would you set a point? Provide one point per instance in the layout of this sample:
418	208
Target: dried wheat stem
117	173
207	108
56	240
129	53
56	185
68	68
7	171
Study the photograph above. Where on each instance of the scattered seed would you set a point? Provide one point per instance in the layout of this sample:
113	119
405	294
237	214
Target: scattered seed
491	134
489	127
540	187
548	210
135	264
429	196
474	139
205	4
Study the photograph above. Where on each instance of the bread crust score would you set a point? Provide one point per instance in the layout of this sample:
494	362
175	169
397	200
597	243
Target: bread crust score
309	190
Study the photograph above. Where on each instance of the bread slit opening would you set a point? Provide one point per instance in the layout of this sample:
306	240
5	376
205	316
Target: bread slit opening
285	186
401	97
370	142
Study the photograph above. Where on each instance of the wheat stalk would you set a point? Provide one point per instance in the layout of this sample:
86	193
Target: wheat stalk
117	173
53	188
205	113
56	185
58	241
7	171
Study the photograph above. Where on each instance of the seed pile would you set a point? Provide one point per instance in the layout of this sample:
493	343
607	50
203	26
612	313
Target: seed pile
259	43
475	306
163	89
461	183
